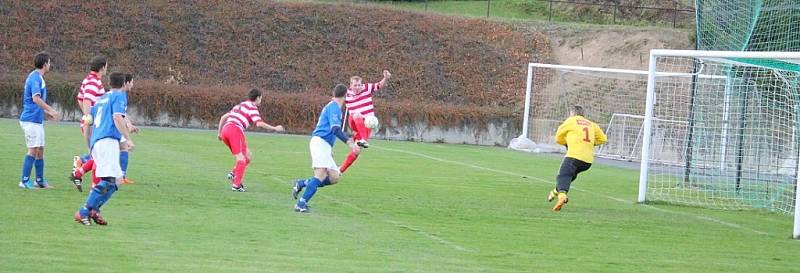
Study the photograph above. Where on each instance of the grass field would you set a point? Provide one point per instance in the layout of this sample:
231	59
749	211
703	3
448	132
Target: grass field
404	207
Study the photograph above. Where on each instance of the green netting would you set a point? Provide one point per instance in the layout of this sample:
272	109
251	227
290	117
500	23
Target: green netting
749	25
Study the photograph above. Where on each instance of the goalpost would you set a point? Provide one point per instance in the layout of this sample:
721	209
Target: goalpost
738	140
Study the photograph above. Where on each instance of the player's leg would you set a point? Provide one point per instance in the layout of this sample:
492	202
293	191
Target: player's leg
33	140
566	175
106	156
311	185
363	133
353	154
323	164
39	165
123	161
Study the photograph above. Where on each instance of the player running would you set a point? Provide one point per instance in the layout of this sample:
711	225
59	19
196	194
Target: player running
34	109
359	106
90	91
108	128
231	132
321	145
580	135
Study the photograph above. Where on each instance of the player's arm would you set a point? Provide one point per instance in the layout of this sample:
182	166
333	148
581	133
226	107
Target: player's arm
122	125
600	138
132	128
335	120
37	99
85	106
219	127
382	83
561	134
264	125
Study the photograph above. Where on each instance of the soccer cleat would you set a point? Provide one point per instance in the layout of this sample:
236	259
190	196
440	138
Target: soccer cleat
562	199
43	185
27	185
552	195
125	180
362	144
296	189
97	218
77	163
241	188
302	208
77	181
82	221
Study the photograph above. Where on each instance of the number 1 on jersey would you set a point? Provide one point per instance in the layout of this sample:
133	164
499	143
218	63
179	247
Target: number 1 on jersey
586	134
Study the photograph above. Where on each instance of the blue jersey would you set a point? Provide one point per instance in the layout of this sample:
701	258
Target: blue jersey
113	102
330	118
34	86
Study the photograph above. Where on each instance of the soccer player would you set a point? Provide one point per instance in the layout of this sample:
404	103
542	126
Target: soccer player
579	135
34	109
90	91
231	132
109	127
321	145
359	106
124	149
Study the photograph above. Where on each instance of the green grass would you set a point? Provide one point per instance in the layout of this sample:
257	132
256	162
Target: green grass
404	207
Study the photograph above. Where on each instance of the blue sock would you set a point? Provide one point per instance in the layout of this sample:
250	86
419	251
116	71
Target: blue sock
100	194
110	190
92	202
326	182
123	162
39	163
301	183
27	165
311	188
84	212
86	157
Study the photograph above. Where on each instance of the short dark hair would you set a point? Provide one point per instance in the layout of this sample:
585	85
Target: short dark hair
254	94
117	79
339	91
578	110
128	77
40	59
97	63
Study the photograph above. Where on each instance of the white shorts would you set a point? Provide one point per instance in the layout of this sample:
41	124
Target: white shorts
106	158
321	154
34	133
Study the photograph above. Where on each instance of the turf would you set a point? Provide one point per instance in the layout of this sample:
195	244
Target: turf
403	207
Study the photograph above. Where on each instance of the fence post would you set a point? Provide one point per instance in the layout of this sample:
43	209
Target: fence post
488	6
615	13
426	5
550	17
675	15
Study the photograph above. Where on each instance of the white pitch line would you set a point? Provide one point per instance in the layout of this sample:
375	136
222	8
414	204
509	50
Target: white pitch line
701	217
393	222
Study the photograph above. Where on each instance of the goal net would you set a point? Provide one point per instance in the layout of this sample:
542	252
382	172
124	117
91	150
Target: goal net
613	98
734	126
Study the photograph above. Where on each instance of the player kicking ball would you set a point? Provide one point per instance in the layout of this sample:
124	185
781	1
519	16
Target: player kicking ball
360	108
580	135
108	128
231	132
321	145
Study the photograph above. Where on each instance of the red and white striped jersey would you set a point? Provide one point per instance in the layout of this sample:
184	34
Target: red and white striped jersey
243	115
361	102
91	89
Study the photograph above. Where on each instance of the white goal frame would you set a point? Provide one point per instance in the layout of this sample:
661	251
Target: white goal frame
650	100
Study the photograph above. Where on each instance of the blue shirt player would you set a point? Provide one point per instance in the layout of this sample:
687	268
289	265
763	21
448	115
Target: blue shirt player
34	110
329	128
108	127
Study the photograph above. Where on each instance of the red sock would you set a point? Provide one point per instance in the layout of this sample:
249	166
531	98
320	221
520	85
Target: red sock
95	179
238	172
351	157
86	167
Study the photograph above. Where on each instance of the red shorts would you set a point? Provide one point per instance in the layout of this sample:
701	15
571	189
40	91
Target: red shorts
233	136
360	131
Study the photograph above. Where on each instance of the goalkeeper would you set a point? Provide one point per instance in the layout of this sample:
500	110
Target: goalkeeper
579	135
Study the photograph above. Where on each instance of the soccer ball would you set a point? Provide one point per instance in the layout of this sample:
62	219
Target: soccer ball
371	122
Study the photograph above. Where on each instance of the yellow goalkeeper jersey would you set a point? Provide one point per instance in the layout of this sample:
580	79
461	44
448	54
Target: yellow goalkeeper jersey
580	135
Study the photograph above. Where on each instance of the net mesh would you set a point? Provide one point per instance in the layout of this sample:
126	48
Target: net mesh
748	25
736	142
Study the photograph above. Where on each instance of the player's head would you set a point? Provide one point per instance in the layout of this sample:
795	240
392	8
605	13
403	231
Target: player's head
128	85
355	84
117	80
42	61
576	110
339	91
99	64
254	95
